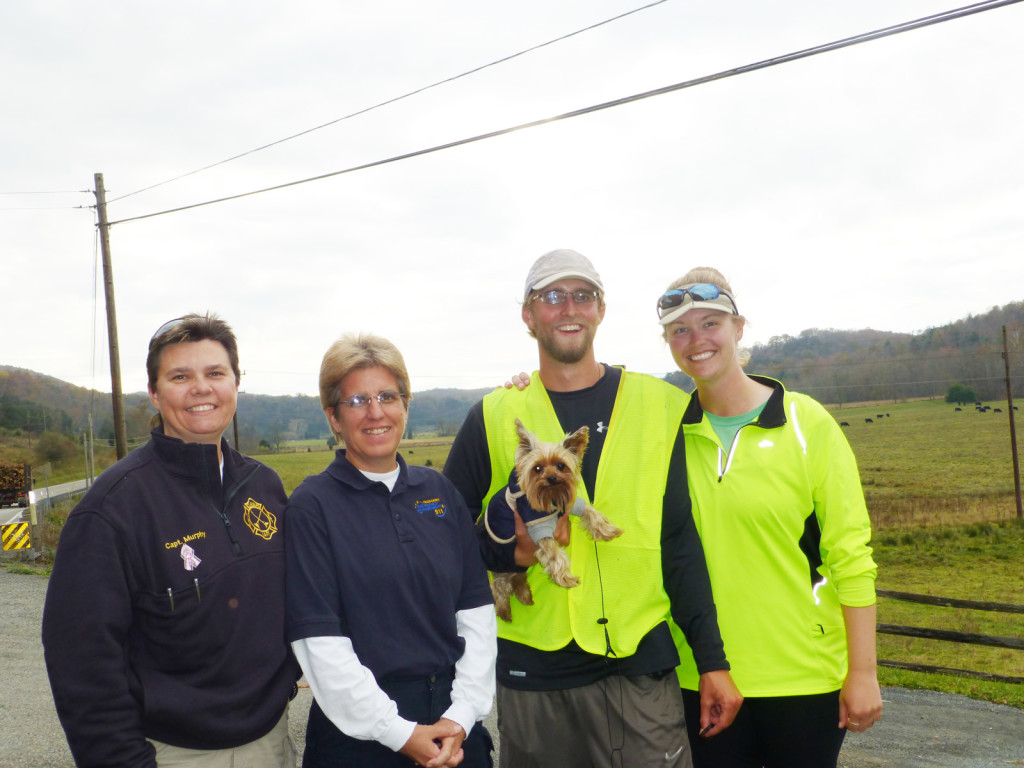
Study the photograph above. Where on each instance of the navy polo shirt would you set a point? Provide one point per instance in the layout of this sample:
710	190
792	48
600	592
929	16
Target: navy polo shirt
388	570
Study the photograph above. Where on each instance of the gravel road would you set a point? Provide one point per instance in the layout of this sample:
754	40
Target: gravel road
920	729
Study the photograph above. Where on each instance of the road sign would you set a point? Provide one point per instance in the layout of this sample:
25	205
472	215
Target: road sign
16	536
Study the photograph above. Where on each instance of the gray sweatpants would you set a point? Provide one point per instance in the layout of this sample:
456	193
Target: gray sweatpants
619	722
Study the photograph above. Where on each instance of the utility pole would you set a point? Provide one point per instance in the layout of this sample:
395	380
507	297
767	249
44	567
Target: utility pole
120	431
92	454
1013	428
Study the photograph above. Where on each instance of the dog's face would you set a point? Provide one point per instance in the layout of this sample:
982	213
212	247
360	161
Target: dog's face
548	472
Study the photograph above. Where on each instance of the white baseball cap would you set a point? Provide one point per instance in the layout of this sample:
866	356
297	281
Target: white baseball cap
560	265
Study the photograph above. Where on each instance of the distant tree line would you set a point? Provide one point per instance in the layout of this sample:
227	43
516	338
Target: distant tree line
830	365
17	415
853	366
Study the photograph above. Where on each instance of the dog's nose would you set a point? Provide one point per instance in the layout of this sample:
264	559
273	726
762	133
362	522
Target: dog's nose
552	479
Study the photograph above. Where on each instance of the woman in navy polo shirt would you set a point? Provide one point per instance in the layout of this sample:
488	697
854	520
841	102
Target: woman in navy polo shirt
389	609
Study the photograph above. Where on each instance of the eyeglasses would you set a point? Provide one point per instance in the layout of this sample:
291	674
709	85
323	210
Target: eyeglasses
556	296
698	292
387	397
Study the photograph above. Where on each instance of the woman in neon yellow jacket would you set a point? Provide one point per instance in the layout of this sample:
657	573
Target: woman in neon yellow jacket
779	506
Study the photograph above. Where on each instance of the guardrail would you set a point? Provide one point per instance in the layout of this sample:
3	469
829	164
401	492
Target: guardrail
44	498
951	636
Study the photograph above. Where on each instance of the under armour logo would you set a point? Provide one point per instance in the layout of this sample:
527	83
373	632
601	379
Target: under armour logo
601	427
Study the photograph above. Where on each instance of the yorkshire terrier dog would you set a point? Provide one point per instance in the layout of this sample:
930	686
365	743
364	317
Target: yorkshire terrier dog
542	488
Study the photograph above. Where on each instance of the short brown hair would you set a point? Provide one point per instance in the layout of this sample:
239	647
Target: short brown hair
188	328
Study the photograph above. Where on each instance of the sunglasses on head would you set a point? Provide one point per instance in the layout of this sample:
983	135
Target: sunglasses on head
168	326
697	292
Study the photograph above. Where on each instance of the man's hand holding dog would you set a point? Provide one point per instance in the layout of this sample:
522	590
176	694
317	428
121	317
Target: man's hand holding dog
526	549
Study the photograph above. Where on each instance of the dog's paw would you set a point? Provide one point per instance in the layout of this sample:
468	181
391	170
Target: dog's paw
521	589
503	610
598	526
566	580
556	563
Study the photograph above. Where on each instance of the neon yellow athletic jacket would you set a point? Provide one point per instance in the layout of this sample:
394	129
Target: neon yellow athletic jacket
785	530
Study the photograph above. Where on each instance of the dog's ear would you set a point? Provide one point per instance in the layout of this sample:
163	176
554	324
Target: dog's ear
576	443
527	440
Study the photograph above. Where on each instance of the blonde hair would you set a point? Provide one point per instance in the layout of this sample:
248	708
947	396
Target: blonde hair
353	352
713	276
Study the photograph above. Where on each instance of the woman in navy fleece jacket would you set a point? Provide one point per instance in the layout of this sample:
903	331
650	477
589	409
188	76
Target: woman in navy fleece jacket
163	627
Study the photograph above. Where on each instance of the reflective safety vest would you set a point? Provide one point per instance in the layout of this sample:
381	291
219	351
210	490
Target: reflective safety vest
621	579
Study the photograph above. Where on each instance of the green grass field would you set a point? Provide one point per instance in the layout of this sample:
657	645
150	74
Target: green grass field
295	463
927	464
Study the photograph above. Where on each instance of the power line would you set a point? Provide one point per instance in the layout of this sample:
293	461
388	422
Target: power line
46	208
395	99
785	59
52	192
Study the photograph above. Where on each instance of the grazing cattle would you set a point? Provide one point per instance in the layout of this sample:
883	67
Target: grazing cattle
869	421
844	424
998	410
887	415
879	415
958	409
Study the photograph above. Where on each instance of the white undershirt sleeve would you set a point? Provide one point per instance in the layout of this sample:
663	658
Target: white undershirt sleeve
348	693
473	689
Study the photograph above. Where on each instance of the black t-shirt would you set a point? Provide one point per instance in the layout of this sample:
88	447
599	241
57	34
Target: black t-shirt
524	667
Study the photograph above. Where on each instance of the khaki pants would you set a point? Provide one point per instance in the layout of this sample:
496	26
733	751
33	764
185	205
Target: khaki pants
275	750
619	722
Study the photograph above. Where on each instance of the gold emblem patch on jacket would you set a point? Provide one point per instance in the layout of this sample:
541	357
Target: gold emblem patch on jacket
260	520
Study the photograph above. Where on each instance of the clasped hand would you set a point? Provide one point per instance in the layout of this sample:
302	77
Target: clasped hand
436	746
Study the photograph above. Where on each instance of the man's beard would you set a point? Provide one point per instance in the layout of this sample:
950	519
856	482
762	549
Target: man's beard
567	354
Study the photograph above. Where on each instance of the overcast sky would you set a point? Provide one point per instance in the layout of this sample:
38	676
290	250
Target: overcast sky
878	186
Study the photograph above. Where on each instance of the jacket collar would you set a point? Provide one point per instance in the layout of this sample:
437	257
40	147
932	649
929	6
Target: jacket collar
191	459
772	416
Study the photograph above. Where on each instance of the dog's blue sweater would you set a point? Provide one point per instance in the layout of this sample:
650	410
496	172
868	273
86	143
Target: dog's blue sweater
501	523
